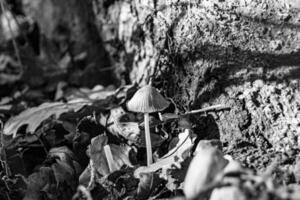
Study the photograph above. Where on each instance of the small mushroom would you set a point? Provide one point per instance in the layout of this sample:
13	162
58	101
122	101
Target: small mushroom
147	100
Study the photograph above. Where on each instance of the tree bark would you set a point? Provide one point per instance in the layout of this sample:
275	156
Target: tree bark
244	54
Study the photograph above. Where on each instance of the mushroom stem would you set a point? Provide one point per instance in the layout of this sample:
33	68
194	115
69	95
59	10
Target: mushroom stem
148	139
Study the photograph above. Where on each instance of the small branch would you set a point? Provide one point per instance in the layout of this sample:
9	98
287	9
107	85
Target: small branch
3	158
85	192
42	143
93	174
110	160
214	108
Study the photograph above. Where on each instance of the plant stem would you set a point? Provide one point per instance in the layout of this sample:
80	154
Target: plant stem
86	192
213	108
110	160
148	139
3	158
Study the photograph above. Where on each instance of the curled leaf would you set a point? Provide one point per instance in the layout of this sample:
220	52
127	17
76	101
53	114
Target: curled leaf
228	193
204	169
173	158
147	185
126	125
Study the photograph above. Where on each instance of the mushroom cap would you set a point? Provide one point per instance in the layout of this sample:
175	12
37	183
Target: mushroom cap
147	100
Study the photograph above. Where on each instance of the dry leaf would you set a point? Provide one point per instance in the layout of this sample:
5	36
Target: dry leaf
204	169
120	154
37	181
173	158
97	93
228	193
147	185
121	123
56	178
33	117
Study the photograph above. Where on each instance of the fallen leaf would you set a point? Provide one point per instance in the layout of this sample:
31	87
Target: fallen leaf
147	185
203	171
37	181
97	93
120	154
87	128
203	144
100	93
22	159
33	117
120	184
64	154
56	178
121	123
173	158
228	193
175	176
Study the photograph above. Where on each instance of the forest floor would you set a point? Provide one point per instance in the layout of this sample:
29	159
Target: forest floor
66	79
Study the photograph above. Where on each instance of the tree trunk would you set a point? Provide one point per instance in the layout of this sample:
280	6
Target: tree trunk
244	54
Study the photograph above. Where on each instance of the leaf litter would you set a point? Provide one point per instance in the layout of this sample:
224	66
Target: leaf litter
94	148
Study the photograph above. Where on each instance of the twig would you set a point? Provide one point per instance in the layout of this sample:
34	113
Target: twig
7	195
92	178
169	116
189	9
110	160
3	178
107	69
85	192
42	143
2	151
207	109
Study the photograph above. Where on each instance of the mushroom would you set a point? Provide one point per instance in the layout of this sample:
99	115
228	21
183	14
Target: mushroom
147	100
